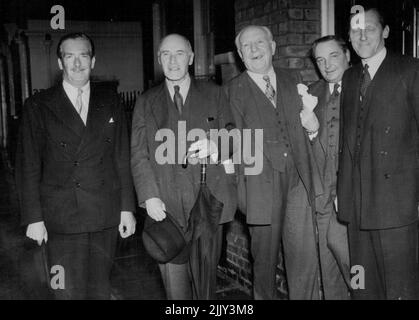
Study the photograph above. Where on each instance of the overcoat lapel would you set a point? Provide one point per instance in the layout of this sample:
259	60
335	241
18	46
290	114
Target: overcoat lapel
159	107
378	85
61	106
322	92
350	98
99	113
299	142
197	115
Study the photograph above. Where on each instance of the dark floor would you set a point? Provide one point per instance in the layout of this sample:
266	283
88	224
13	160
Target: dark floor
135	275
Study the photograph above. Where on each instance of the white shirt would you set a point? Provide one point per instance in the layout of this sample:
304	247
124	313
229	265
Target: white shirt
258	79
375	62
183	87
72	93
332	87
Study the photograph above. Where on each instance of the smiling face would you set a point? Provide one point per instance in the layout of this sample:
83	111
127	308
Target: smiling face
331	60
256	49
369	41
175	56
76	61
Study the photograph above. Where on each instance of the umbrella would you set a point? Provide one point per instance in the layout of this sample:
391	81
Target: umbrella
203	223
34	269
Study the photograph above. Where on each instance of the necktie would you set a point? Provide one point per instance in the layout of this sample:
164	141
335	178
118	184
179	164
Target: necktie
336	89
269	91
365	81
79	101
177	98
335	94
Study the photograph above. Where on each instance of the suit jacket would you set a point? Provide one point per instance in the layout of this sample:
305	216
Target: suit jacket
75	178
256	190
205	101
388	145
321	148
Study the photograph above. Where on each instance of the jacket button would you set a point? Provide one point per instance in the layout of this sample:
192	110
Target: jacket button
77	184
76	163
387	176
108	140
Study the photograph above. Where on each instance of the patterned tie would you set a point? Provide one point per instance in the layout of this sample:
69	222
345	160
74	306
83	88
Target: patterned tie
336	89
365	82
177	98
79	101
269	91
335	94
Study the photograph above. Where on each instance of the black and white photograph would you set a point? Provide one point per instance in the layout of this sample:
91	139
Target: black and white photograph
209	153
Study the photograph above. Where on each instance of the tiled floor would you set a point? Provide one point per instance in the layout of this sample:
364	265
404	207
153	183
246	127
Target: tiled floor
134	276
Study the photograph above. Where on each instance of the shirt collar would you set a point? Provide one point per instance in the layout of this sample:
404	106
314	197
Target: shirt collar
258	77
375	62
73	91
332	87
183	86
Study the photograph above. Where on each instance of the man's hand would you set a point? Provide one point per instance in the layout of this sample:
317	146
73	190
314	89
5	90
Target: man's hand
127	224
155	209
203	149
309	120
37	231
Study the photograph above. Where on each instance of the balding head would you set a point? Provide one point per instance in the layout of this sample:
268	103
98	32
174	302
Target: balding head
175	56
174	37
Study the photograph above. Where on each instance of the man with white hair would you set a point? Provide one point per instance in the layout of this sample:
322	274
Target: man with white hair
263	97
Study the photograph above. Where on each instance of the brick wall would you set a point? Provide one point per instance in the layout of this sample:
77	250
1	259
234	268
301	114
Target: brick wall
295	24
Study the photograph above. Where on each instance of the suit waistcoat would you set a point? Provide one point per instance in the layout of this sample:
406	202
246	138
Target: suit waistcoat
275	133
329	139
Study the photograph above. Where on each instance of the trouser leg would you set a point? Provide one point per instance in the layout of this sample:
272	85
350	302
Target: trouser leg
177	281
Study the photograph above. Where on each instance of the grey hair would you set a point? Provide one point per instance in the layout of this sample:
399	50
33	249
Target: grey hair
188	43
266	29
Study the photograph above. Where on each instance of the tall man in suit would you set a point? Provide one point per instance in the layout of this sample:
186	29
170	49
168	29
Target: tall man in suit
164	185
74	173
330	262
377	181
266	98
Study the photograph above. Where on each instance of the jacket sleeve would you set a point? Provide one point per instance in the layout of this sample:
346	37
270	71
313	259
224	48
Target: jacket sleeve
144	178
28	174
122	160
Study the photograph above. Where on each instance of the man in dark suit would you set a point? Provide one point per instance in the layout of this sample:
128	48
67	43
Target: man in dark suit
377	181
266	98
179	104
74	175
330	261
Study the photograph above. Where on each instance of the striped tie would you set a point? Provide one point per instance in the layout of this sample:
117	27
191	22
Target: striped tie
269	91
